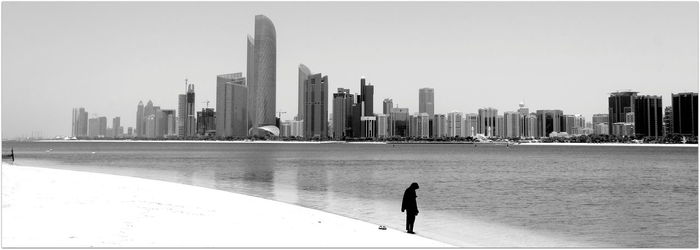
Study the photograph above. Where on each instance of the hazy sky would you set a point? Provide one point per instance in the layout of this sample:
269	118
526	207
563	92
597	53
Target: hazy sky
106	56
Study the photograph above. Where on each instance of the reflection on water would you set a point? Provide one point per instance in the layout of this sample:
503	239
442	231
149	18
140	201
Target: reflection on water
525	195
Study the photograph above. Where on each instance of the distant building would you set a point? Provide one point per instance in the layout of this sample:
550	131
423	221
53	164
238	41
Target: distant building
262	76
648	115
423	129
304	73
600	118
169	126
140	122
685	113
342	113
297	128
511	124
619	104
316	106
382	126
206	122
367	97
569	124
93	127
623	129
426	101
130	132
115	127
286	129
369	124
231	110
398	122
388	104
471	123
454	124
600	128
668	120
524	112
548	121
531	126
500	127
439	125
487	121
80	122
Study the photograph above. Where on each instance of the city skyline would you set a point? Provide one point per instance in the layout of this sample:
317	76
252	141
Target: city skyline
372	57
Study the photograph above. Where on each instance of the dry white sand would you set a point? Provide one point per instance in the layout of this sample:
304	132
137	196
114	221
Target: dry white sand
59	208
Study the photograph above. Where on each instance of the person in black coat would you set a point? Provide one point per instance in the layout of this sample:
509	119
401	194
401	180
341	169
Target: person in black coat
410	206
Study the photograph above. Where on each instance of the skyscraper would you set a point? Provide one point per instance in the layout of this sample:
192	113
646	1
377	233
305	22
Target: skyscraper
367	97
342	113
470	124
93	127
439	125
648	115
102	126
206	122
115	127
140	132
316	106
454	124
511	124
685	113
426	99
304	73
398	122
80	122
382	126
668	120
619	104
170	124
388	104
231	101
487	122
262	84
548	121
190	121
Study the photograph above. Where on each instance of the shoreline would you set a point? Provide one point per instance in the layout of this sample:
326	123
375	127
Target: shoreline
379	143
45	207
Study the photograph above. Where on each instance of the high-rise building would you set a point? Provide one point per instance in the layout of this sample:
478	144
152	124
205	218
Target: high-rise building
619	104
140	129
369	126
454	124
531	126
548	121
102	126
500	126
159	122
190	116
93	127
286	129
668	120
685	113
600	118
366	97
304	73
426	99
382	126
297	128
471	123
231	111
388	105
600	128
524	112
316	106
423	128
181	114
206	122
487	122
251	83
648	115
80	122
511	124
342	113
439	125
262	85
170	124
130	132
398	122
115	127
569	126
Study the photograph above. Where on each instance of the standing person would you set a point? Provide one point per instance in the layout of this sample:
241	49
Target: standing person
410	206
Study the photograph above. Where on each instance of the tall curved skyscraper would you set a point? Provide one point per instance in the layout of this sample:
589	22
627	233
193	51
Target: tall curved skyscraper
264	73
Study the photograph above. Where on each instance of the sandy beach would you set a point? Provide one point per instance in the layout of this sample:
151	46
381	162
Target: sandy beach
59	208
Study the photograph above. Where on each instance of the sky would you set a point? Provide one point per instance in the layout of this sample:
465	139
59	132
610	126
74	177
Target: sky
108	56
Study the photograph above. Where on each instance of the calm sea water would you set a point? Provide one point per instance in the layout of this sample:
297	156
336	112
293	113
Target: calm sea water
490	194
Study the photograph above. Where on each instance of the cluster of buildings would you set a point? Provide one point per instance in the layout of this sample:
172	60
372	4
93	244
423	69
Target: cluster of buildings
246	106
